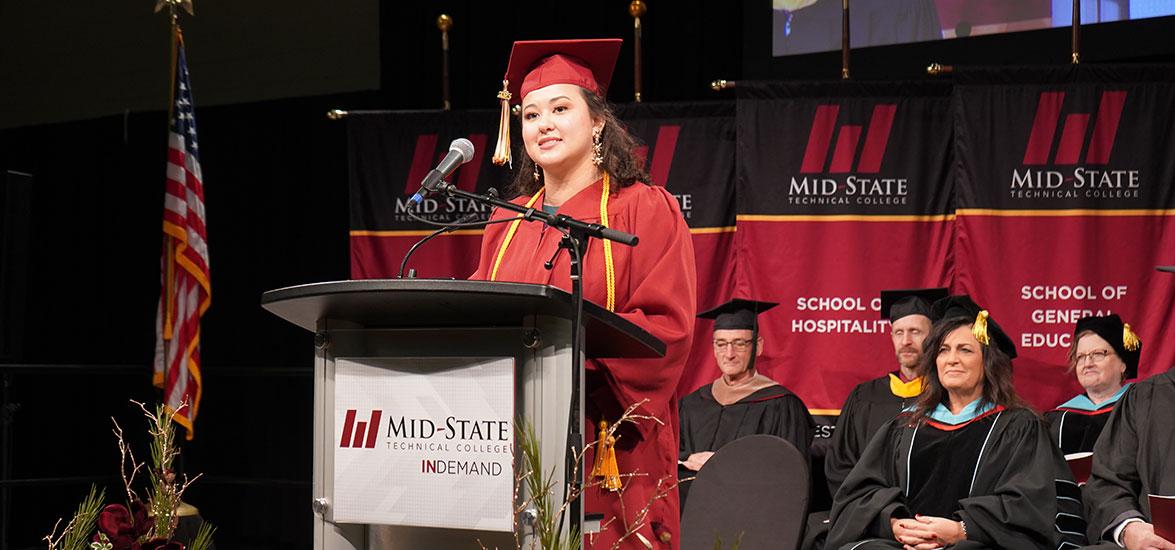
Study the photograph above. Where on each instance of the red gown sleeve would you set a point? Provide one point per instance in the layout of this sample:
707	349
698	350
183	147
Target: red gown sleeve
662	300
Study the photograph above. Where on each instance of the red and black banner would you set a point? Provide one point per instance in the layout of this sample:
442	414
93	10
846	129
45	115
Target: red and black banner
1065	207
843	191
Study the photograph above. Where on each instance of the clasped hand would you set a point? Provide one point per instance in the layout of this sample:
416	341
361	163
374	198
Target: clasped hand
697	460
926	532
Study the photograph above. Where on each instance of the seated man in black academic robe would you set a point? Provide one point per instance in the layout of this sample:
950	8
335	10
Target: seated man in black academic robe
871	404
1134	458
741	402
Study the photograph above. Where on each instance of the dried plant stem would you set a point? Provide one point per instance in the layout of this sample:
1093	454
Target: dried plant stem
76	534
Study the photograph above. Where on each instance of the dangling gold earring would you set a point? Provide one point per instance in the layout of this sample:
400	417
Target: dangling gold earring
598	146
537	175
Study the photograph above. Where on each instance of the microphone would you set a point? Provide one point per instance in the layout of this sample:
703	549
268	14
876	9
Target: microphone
462	221
460	152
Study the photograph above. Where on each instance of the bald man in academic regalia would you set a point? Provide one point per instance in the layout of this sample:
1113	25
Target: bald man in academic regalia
742	401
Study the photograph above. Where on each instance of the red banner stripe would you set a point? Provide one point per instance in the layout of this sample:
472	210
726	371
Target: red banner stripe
818	139
846	149
1105	127
1044	127
1072	138
663	154
877	138
467	175
426	144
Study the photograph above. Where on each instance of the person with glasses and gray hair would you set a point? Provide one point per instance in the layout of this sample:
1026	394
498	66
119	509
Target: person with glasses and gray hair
1103	356
742	401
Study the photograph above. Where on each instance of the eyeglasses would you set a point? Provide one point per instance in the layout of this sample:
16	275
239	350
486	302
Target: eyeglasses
739	344
1096	356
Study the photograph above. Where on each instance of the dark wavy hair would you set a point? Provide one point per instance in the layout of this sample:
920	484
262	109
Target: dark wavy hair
998	387
619	151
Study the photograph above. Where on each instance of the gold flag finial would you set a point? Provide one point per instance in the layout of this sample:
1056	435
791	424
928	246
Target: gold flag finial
186	4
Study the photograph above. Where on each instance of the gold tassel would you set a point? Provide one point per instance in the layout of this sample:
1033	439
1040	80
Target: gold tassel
605	464
979	329
502	150
1130	340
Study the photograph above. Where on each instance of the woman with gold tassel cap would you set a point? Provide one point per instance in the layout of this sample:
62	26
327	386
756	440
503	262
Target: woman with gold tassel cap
970	465
577	159
1103	355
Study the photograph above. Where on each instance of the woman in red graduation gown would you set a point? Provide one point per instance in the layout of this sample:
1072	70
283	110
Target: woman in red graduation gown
579	160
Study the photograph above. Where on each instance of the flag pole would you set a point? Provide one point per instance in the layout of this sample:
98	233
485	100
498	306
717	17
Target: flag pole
637	9
444	24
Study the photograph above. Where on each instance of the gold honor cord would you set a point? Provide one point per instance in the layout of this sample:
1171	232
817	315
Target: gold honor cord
609	268
510	236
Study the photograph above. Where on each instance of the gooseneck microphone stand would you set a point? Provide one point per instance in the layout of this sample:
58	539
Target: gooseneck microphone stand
575	239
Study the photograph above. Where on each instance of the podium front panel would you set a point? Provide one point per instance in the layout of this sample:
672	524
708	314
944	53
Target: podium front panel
541	385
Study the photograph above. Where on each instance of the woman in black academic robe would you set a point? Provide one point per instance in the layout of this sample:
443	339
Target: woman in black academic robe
1104	353
970	466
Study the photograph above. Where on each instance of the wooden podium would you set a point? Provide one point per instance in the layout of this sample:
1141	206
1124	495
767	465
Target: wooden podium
408	343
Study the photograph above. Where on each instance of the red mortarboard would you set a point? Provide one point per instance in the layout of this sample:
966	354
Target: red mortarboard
538	63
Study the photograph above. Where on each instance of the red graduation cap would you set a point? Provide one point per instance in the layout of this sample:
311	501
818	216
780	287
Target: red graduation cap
536	64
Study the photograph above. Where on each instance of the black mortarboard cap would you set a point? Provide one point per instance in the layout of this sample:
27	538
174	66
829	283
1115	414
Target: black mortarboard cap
896	304
737	314
986	330
1111	328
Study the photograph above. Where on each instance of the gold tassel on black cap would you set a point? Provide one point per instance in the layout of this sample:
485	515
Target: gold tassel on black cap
1129	338
502	151
979	329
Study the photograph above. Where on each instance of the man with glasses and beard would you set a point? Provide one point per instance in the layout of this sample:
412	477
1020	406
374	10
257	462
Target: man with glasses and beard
741	402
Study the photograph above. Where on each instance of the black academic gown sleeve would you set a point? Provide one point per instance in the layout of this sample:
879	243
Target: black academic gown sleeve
848	441
1134	457
791	421
1013	502
872	492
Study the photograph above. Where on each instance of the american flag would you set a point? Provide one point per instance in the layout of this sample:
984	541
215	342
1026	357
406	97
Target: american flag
186	289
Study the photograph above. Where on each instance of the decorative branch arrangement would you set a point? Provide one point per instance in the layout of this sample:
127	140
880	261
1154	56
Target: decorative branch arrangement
139	524
538	514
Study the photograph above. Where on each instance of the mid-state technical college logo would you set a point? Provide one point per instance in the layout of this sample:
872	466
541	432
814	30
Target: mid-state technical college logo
451	435
1054	168
849	176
